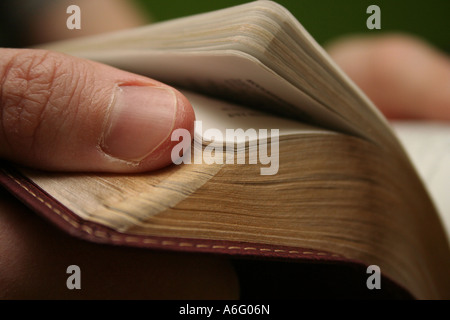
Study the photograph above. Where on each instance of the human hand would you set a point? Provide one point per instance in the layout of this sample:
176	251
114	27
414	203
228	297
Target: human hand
405	77
64	113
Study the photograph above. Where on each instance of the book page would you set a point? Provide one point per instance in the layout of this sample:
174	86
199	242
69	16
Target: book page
256	54
428	145
222	116
230	75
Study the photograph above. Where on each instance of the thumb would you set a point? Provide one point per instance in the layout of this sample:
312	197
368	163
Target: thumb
58	112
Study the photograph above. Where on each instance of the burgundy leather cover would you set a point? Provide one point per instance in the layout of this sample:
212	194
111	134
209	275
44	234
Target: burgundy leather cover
304	264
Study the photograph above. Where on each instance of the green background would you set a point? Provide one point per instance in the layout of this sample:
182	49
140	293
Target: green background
328	19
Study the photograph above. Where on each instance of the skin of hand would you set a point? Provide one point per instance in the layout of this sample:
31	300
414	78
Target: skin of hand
404	76
64	113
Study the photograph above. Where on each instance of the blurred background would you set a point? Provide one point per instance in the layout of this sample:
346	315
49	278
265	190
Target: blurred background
21	20
328	19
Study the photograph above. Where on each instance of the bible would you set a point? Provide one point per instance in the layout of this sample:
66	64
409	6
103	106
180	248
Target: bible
290	161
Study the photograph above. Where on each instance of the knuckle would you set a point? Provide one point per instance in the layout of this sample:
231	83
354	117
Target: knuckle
34	93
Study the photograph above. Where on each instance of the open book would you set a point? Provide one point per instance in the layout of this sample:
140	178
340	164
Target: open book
290	159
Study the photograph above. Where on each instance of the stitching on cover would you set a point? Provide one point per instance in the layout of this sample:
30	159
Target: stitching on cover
130	239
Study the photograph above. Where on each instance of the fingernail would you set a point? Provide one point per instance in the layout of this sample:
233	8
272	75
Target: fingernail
141	118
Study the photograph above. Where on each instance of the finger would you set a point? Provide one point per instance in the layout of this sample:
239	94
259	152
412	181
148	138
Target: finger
403	76
64	113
